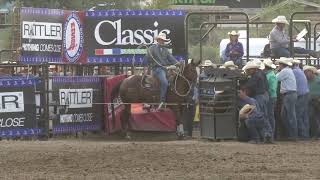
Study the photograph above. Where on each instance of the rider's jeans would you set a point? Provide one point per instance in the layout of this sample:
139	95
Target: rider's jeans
160	73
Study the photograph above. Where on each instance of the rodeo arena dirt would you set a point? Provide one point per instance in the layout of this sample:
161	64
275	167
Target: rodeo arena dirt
118	94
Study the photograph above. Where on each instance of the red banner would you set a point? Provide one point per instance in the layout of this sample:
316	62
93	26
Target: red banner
111	125
140	119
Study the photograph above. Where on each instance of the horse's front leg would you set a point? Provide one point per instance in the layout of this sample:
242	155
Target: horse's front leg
180	128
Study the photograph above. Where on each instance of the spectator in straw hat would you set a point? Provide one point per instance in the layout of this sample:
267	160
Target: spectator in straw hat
257	87
302	110
288	90
279	40
234	49
314	100
207	63
273	86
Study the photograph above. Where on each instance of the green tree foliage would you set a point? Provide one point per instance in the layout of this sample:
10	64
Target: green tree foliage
158	4
82	4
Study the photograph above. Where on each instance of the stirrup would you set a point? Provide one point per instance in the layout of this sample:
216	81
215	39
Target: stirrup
160	105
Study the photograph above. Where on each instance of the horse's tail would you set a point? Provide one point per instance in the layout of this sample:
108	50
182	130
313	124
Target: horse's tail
114	93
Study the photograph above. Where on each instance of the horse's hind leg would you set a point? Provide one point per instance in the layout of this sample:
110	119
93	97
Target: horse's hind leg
125	120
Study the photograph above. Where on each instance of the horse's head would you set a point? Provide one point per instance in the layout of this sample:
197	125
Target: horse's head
190	71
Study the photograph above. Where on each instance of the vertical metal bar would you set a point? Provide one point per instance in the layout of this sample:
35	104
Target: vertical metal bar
315	38
46	99
290	37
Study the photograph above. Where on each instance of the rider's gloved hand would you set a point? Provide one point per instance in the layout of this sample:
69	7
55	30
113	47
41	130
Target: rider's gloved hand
171	67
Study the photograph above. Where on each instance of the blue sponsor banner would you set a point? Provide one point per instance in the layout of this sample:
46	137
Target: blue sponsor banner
18	112
120	13
107	36
79	104
64	129
138	59
121	36
41	35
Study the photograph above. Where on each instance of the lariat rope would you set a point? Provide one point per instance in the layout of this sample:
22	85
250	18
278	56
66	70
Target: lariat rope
178	73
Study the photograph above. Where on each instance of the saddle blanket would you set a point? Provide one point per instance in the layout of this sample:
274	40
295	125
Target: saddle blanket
157	121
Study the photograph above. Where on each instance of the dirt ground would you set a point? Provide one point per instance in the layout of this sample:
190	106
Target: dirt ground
190	159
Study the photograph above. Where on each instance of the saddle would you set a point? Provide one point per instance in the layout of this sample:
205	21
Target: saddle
152	83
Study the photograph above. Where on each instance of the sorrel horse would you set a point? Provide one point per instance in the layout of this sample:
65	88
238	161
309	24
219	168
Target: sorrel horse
131	90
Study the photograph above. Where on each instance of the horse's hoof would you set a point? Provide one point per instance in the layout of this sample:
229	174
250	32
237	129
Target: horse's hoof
180	138
128	137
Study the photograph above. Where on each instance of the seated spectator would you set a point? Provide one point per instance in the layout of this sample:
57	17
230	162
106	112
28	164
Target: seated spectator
234	50
279	41
314	101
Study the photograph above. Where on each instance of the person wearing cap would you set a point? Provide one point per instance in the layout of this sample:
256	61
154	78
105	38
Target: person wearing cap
251	118
314	100
160	59
273	86
234	49
288	90
257	87
302	106
279	41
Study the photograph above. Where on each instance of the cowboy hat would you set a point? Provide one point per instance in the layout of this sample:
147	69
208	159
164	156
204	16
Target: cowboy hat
286	61
233	33
246	110
230	64
208	63
251	65
162	36
258	62
311	68
269	63
296	61
281	20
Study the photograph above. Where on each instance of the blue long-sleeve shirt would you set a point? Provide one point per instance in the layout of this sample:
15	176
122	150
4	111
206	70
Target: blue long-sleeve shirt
161	55
301	80
237	47
287	79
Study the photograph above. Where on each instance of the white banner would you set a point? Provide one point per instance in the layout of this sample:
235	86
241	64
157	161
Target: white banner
76	98
11	102
41	30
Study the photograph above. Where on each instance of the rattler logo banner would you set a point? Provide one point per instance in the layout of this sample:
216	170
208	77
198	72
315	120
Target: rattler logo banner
18	108
79	104
42	33
114	36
